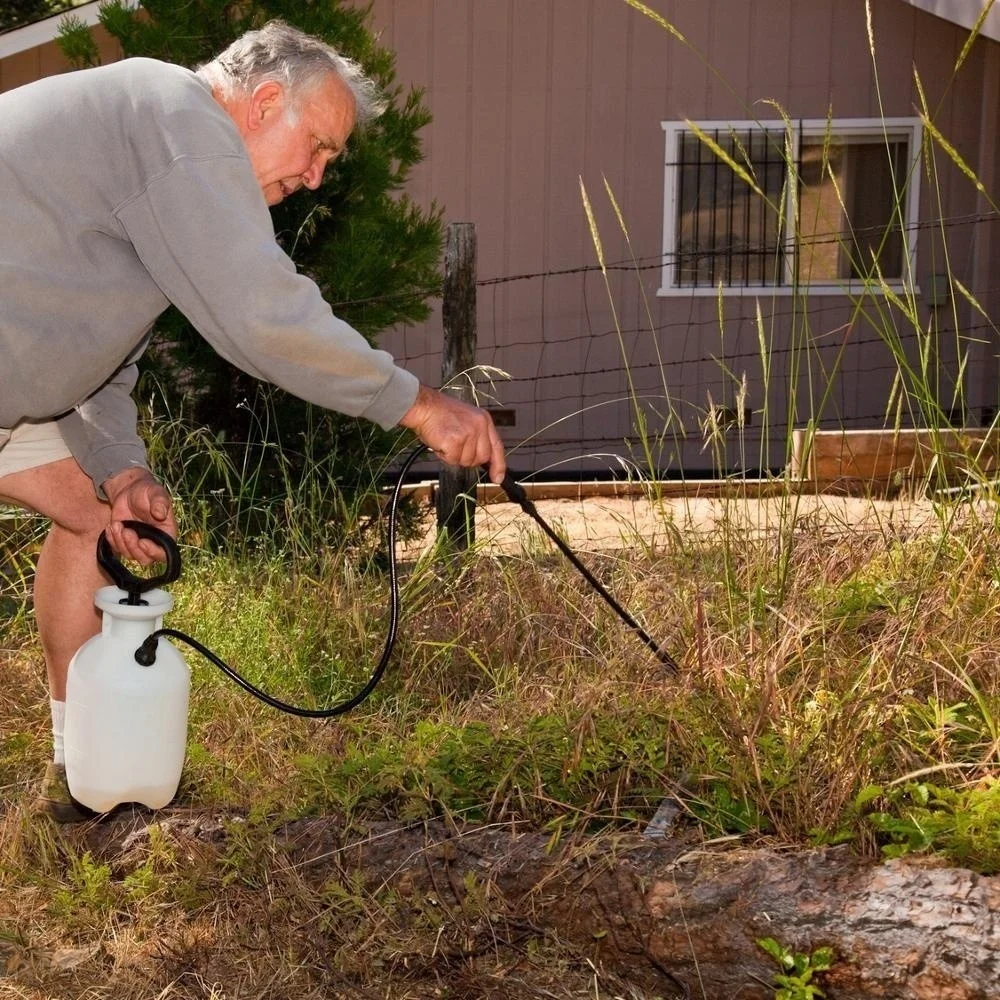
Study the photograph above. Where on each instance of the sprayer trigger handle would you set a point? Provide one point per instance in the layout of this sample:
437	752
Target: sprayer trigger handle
129	582
514	490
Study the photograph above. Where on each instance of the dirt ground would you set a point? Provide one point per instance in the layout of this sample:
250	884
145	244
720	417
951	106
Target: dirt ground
606	523
460	922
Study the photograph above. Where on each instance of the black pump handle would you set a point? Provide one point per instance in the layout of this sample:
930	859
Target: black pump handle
129	582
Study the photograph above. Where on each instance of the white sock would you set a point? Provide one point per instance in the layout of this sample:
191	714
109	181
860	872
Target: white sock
58	724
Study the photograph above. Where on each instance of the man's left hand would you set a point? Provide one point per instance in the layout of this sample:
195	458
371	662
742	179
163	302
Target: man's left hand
136	495
457	432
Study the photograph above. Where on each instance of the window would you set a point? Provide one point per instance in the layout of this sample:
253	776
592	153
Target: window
822	206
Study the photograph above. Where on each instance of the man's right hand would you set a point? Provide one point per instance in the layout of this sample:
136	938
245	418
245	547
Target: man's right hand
457	432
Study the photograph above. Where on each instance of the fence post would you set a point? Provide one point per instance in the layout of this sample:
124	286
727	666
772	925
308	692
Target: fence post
456	505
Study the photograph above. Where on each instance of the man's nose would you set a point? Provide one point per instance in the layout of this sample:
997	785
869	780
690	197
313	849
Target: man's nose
313	177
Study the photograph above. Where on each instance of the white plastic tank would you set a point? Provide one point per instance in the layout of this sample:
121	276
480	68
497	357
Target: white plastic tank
126	724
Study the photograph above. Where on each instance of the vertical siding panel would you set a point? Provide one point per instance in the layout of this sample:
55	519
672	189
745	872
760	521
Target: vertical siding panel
648	47
455	163
606	157
412	28
731	99
769	80
489	130
415	66
660	71
934	54
850	61
685	339
769	45
528	145
729	55
489	164
689	74
810	56
650	51
965	129
569	244
416	348
894	30
569	125
20	69
107	46
51	61
449	150
960	120
935	49
527	167
985	376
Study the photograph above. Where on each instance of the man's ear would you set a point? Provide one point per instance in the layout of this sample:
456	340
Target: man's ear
267	103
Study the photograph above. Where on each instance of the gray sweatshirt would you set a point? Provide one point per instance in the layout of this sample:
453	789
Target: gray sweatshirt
123	189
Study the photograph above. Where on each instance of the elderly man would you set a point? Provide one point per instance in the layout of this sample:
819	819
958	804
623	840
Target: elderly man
132	186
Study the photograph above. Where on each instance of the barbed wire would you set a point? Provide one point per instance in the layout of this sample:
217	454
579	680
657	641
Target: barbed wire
680	377
648	262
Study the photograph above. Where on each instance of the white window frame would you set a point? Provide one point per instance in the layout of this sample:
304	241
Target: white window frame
806	127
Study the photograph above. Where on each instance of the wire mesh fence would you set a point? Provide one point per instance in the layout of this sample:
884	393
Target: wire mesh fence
589	369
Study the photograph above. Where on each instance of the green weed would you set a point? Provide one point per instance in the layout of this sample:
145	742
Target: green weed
795	981
90	893
916	817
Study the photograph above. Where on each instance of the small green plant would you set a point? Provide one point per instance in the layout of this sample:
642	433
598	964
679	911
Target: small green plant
724	812
963	824
795	981
90	892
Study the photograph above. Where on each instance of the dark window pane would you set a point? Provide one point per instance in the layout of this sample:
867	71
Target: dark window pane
725	230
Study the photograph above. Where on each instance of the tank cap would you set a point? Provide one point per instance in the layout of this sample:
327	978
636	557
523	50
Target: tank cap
124	579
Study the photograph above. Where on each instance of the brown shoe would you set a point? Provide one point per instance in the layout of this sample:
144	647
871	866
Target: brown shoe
54	799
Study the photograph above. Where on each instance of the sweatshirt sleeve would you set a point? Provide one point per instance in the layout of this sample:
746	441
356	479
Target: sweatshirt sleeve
101	432
203	232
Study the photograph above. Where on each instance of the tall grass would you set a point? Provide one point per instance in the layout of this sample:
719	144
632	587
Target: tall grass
762	598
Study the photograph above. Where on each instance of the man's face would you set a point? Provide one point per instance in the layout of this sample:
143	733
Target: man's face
290	150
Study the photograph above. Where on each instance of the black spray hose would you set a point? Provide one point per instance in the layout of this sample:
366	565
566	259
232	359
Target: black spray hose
146	653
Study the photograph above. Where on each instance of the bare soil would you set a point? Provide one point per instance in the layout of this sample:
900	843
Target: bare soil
606	523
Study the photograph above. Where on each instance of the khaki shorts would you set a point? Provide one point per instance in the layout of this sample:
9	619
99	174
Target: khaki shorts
30	445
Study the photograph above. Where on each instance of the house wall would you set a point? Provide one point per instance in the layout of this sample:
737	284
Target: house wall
47	60
531	100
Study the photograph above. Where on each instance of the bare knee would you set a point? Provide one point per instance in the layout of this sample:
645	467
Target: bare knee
62	492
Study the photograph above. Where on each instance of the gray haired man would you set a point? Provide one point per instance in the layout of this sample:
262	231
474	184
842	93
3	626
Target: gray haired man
132	186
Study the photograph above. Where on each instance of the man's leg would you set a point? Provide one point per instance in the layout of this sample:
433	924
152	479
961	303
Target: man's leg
66	577
67	574
37	472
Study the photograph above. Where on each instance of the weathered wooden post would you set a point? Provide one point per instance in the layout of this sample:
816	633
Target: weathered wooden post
456	505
